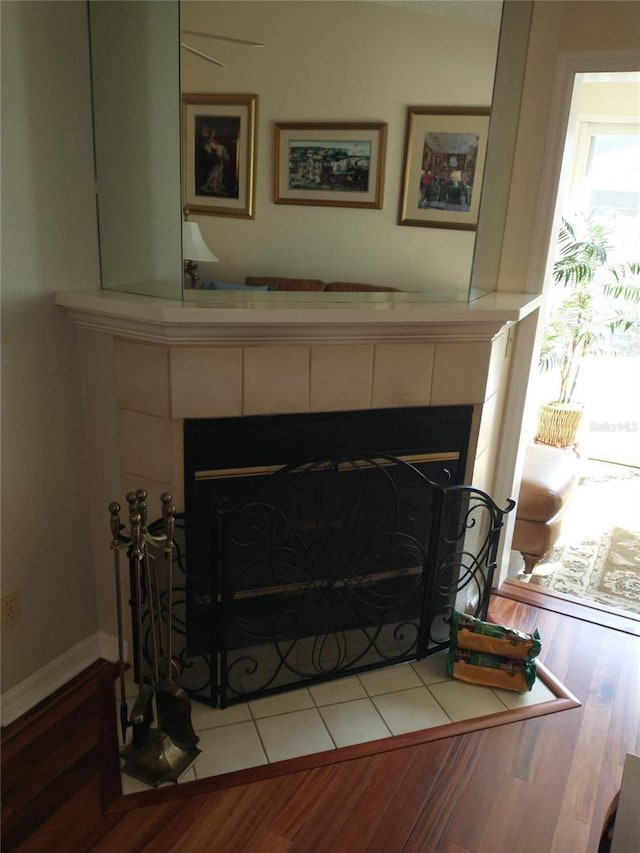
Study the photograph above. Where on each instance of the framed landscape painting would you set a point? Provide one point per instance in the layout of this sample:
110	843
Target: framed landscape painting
330	164
218	151
443	167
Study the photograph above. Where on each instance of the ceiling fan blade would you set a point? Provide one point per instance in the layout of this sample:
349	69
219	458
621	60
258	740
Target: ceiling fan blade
202	55
222	38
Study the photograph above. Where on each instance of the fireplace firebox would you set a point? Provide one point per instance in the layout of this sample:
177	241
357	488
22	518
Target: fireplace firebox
301	561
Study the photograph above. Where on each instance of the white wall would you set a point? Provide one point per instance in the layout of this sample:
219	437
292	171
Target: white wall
346	61
560	30
49	243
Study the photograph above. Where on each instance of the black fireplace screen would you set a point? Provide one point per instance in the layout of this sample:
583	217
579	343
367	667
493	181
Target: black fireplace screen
342	564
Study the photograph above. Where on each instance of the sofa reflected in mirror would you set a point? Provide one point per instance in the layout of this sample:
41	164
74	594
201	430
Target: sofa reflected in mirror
303	285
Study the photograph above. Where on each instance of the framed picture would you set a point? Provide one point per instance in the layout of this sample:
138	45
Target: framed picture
218	154
443	167
330	164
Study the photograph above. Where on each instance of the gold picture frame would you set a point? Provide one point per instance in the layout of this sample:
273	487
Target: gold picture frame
330	164
444	166
218	154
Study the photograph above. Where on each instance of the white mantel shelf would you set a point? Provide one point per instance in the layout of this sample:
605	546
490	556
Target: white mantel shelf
227	318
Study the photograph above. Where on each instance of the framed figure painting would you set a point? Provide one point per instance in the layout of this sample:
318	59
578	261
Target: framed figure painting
218	152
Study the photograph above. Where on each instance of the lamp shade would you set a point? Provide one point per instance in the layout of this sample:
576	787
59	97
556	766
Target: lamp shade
193	246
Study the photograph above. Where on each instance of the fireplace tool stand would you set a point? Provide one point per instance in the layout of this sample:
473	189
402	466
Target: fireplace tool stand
164	753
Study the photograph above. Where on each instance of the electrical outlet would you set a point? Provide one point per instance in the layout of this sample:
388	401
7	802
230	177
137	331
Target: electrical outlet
10	609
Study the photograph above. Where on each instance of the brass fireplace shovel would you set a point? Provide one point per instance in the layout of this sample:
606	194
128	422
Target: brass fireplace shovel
174	706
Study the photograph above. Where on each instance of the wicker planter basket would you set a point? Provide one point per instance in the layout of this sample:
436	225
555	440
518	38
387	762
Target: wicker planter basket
558	424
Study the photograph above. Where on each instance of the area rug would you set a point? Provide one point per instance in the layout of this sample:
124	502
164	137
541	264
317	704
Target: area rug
605	570
598	556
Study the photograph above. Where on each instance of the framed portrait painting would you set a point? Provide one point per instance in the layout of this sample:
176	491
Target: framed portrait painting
330	164
218	153
443	167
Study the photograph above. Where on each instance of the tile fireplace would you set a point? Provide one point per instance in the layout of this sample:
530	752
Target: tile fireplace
148	365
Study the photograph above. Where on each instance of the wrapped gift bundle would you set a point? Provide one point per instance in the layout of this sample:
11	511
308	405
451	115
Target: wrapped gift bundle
471	633
489	654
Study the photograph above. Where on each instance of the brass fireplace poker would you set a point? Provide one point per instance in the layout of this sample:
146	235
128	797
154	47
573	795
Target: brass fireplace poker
162	754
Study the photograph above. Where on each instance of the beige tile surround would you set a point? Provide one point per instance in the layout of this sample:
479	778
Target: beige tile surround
158	385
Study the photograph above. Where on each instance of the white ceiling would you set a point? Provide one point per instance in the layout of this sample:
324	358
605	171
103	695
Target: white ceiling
486	13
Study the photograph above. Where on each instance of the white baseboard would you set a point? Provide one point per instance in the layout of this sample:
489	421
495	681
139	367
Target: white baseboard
108	646
26	695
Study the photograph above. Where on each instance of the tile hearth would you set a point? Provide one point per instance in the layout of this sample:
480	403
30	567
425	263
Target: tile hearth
383	703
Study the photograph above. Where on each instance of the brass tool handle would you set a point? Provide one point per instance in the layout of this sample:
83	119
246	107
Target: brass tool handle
136	534
141	501
114	510
132	501
170	526
167	506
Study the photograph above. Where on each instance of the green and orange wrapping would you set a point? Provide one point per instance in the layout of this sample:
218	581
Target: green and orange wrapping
470	633
491	670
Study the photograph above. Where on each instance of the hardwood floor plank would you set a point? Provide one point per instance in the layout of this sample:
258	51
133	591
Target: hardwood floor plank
201	824
502	828
266	842
310	785
570	834
65	745
544	789
579	798
509	612
76	825
446	796
58	707
45	750
626	717
608	785
37	811
252	810
369	809
405	806
559	652
329	813
271	804
492	768
529	752
130	830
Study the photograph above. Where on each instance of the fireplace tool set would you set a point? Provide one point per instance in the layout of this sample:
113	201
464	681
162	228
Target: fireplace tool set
163	753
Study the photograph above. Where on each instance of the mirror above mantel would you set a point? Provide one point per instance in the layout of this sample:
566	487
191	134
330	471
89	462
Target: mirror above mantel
321	62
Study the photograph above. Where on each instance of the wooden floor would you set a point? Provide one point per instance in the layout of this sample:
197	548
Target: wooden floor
537	785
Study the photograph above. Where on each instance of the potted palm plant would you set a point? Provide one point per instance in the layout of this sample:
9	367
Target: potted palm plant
591	300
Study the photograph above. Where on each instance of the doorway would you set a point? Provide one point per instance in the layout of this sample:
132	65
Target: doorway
600	181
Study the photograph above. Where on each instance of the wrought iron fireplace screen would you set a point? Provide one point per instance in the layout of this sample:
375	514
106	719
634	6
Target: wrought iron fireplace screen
336	566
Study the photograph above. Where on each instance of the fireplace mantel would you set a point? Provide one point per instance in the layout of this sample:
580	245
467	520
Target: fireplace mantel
148	364
226	317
